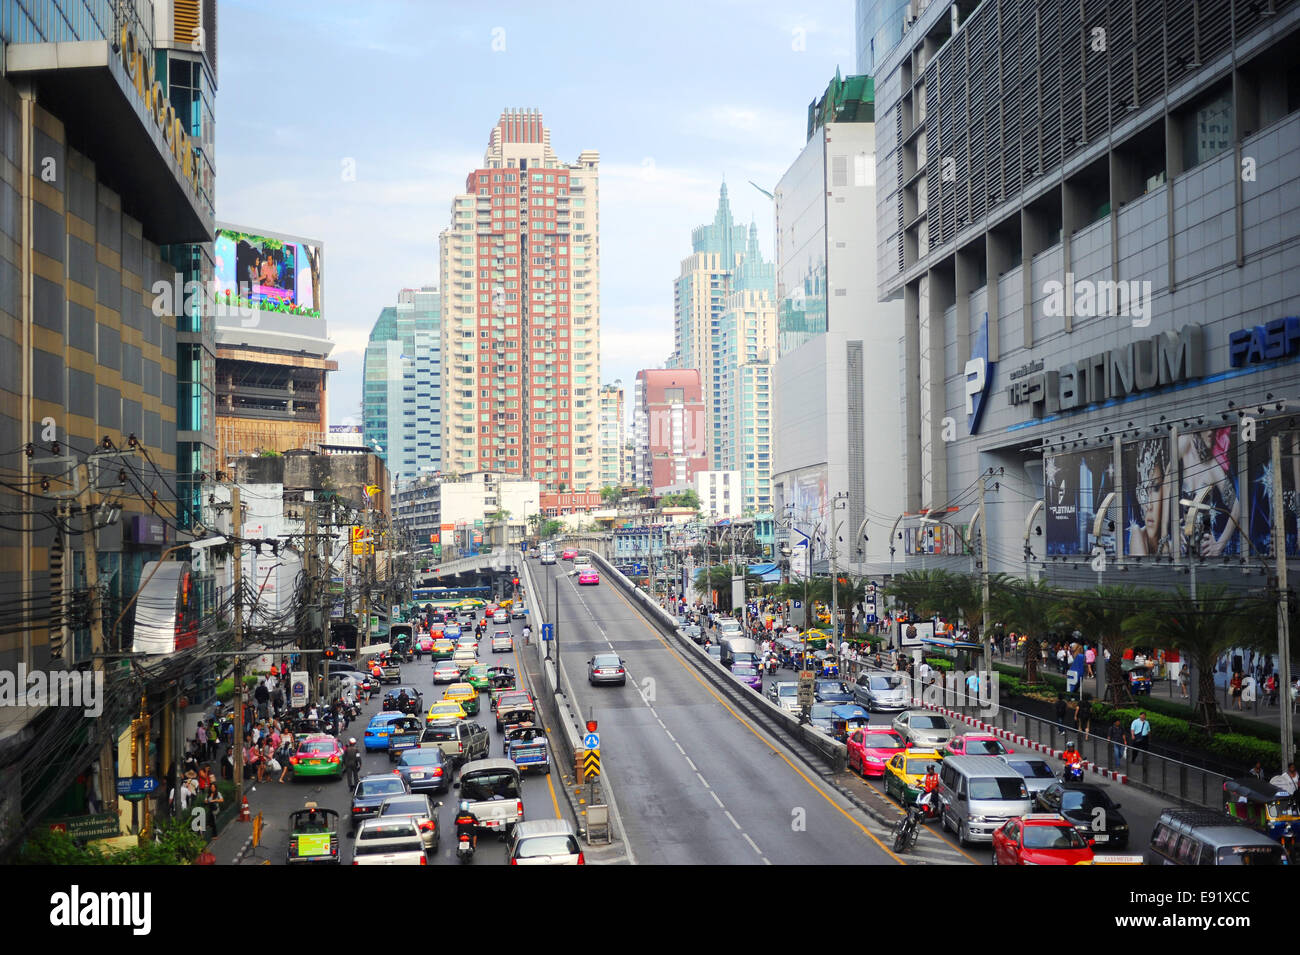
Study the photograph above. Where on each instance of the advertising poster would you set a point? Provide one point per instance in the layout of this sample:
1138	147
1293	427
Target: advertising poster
1208	459
1149	510
1075	485
1258	491
275	275
299	681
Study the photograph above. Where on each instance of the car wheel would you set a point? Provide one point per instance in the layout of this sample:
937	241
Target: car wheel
995	857
962	838
943	821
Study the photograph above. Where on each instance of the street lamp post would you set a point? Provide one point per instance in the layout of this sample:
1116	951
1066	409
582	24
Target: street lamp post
842	498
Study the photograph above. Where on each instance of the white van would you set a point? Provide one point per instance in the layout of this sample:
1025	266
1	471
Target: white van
977	794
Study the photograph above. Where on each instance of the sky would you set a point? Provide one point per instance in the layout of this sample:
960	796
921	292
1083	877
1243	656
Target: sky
357	124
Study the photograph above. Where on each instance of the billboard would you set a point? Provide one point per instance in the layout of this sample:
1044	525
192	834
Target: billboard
1075	485
1259	487
1149	509
273	275
1208	460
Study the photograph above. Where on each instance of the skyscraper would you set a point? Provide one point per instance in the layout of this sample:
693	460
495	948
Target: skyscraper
402	398
611	435
520	265
747	350
723	259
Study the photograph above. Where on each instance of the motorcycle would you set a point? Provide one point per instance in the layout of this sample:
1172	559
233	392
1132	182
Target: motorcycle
908	829
1072	772
464	848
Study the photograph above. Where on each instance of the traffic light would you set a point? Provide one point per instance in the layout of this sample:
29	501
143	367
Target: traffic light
329	653
591	726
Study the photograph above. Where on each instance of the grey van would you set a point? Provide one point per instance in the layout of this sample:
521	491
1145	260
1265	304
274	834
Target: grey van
738	649
977	794
1205	837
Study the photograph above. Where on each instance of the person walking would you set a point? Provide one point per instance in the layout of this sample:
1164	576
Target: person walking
1140	734
1234	688
1118	740
352	763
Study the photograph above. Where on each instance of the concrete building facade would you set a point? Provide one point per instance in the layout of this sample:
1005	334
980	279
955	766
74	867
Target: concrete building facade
612	435
672	442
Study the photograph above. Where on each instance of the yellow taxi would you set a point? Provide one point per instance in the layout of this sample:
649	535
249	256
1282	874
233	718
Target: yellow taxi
443	648
446	710
905	773
465	694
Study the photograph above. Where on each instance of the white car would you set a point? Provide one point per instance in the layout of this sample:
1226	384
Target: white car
786	696
392	841
501	616
502	642
544	842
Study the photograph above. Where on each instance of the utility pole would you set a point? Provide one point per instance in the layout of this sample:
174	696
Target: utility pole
237	526
310	544
984	581
1283	607
107	746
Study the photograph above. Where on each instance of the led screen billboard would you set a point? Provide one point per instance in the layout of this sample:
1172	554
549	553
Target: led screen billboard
270	274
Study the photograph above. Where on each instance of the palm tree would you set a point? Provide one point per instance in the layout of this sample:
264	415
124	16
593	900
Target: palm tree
1100	614
1201	629
718	578
925	592
1026	606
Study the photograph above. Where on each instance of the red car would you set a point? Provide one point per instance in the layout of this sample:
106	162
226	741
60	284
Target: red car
871	748
1040	838
588	577
975	744
569	555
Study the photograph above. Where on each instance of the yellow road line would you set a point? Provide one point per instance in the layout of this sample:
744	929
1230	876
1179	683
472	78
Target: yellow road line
745	723
938	834
519	670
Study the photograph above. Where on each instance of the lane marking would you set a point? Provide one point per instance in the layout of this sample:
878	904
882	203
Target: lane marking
679	747
728	814
716	799
691	764
745	723
702	780
753	845
519	670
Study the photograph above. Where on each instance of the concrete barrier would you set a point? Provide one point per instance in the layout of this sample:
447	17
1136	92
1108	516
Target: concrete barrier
832	751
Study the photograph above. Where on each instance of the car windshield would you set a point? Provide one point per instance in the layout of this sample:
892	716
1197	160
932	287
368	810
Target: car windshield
998	787
605	660
485	784
882	741
929	723
1052	837
787	689
822	711
538	846
1032	768
317	746
1072	799
381	787
917	767
439	734
744	670
883	682
383	719
408	806
984	747
421	757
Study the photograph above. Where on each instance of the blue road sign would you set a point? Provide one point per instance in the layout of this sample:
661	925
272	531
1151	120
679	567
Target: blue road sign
548	631
591	741
136	785
798	604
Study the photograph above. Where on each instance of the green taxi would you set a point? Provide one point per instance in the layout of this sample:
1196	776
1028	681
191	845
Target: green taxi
906	771
465	695
477	676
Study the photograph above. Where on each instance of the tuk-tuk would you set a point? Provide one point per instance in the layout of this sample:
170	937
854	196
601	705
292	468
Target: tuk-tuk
501	678
403	733
313	836
816	639
528	748
825	664
1139	681
1262	805
847	718
516	716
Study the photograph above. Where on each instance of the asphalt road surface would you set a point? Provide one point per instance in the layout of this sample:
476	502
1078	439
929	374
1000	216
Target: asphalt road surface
696	783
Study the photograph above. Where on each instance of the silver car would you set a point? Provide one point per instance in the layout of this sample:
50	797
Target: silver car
606	668
882	692
544	842
393	841
786	696
502	642
923	729
419	808
1038	774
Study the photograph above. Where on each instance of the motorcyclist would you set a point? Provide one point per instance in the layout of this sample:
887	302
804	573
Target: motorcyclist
403	702
352	762
1071	755
466	823
925	799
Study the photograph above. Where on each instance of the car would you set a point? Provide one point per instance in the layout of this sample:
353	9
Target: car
606	668
446	671
501	616
317	755
975	744
506	699
420	809
393	700
923	728
479	677
466	616
822	717
1090	809
452	632
871	749
443	648
502	641
371	792
533	552
548	557
1037	772
729	627
446	710
693	632
588	576
905	772
403	734
747	673
313	836
377	730
1039	839
425	768
581	562
460	740
395	841
882	692
518	613
467	641
544	842
785	695
463	660
464	694
569	554
832	691
714	651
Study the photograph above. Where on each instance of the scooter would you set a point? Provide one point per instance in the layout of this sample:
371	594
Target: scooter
464	848
1072	772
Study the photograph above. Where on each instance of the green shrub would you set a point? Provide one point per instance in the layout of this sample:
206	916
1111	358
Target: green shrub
939	663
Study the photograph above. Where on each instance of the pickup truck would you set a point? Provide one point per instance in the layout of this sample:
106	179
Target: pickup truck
491	786
392	670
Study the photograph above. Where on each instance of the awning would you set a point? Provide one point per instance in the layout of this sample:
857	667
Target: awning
373	650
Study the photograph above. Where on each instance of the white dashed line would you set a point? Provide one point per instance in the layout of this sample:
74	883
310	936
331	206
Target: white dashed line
679	747
703	782
694	768
671	736
717	800
727	813
661	724
752	844
766	861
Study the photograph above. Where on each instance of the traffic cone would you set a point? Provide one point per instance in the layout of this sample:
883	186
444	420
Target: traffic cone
244	814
